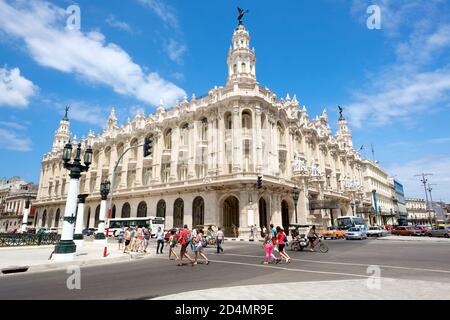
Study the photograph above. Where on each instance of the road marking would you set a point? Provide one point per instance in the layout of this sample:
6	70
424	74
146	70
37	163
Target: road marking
351	264
288	269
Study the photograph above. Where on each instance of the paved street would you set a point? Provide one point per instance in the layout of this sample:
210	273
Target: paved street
414	266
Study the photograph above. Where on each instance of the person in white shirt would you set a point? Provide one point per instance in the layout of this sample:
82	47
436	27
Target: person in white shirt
219	239
160	240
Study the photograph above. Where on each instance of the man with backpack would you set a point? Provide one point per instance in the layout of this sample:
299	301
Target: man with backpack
184	240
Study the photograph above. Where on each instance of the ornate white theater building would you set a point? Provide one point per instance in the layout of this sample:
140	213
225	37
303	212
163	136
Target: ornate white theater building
207	154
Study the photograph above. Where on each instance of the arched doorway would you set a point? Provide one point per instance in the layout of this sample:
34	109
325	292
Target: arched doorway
97	216
44	218
230	215
262	206
88	220
57	217
126	210
285	216
178	213
50	219
142	210
113	212
161	209
198	210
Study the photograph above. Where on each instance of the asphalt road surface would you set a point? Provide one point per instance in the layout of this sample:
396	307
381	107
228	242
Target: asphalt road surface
240	265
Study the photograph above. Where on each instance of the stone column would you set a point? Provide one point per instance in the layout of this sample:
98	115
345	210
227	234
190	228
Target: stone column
174	155
26	211
258	156
65	248
237	141
193	147
157	157
78	236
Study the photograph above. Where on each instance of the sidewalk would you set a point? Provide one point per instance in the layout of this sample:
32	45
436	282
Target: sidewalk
420	239
36	259
389	289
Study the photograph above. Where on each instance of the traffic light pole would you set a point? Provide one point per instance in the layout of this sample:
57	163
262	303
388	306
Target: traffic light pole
113	181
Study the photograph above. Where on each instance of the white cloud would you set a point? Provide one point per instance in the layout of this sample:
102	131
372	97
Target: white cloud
400	98
175	50
440	140
87	113
113	22
165	12
84	54
13	125
15	90
438	165
411	86
10	141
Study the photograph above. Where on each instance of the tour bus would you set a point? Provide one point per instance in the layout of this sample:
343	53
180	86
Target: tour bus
347	222
149	222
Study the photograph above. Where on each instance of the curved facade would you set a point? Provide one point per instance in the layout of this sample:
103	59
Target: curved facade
214	147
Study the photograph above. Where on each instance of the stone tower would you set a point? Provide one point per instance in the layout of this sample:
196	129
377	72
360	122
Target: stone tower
241	59
62	135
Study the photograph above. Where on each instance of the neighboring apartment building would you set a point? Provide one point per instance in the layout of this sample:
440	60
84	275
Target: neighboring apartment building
401	214
13	195
207	154
418	212
378	189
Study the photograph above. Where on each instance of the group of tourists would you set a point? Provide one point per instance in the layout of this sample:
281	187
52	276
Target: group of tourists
134	239
275	240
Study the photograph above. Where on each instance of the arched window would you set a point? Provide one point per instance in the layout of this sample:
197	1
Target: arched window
168	140
246	120
198	208
133	151
204	130
234	68
113	212
142	210
178	213
243	68
44	218
97	216
280	134
126	210
107	157
161	209
184	136
57	218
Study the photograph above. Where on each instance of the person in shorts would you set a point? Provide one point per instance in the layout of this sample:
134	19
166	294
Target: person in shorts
127	237
120	235
199	246
172	245
281	240
184	239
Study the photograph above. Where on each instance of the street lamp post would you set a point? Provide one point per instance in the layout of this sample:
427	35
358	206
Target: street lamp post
65	248
26	212
295	196
78	236
105	187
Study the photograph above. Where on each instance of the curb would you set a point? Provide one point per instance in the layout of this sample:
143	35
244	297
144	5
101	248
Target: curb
416	239
63	265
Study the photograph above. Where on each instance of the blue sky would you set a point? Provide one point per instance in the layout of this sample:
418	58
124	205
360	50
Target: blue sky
394	83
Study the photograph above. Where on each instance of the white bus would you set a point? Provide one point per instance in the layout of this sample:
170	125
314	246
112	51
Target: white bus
347	222
149	222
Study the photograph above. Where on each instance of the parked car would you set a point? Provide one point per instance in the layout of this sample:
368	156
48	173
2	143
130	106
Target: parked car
408	231
333	233
423	228
439	231
355	233
376	232
89	231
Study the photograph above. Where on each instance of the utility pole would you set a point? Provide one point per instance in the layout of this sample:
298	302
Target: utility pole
431	198
424	181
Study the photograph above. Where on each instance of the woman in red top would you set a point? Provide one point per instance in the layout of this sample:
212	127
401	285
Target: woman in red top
281	240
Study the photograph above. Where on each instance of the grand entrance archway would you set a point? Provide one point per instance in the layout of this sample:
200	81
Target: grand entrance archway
178	213
285	216
198	208
262	206
230	215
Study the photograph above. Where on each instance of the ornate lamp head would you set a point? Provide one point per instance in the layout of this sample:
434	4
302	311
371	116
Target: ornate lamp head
67	152
88	156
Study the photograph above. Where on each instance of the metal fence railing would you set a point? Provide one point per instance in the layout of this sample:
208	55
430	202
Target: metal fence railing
26	239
